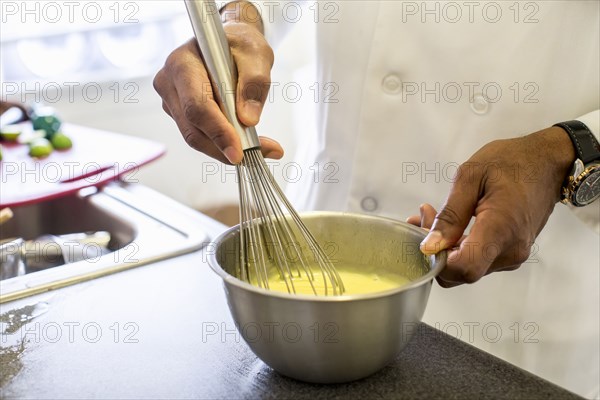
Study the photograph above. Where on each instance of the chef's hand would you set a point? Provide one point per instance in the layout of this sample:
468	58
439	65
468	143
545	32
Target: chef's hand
510	187
187	95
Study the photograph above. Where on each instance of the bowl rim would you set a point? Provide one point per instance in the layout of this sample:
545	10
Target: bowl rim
438	262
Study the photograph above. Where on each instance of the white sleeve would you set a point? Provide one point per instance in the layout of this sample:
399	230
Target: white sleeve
278	16
590	214
592	121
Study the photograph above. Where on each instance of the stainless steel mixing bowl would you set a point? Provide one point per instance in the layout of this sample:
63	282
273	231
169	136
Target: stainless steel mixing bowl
334	339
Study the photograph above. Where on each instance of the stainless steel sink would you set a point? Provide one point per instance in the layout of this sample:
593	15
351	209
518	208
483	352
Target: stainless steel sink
144	225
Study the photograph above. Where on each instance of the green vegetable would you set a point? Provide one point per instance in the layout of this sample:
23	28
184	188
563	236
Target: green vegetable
0	153
49	123
10	133
40	148
60	141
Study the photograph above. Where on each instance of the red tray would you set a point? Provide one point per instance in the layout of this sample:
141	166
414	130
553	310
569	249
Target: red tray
96	158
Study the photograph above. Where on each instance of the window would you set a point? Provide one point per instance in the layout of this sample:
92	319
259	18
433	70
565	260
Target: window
62	42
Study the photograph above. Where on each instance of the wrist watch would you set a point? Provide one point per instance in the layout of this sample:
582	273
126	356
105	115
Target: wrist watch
582	187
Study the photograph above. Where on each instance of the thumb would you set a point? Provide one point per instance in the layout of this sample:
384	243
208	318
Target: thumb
452	220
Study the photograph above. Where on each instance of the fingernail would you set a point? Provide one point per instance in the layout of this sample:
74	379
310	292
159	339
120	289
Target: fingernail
232	155
276	154
252	111
433	243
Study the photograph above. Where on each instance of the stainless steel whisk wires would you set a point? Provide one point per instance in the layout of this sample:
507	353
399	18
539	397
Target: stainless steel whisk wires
270	237
267	235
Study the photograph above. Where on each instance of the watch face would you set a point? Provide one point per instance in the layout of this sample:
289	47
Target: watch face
589	189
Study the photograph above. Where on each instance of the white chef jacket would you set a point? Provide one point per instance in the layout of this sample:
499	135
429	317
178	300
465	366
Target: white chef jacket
420	87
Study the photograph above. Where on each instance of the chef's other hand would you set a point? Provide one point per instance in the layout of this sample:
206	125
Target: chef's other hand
510	187
187	94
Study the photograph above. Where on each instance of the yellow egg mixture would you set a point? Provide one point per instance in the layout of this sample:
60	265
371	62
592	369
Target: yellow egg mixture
354	282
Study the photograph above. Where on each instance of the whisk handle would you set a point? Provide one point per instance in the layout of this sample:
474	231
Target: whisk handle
214	48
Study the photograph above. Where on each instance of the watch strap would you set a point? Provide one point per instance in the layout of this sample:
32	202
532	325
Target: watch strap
586	146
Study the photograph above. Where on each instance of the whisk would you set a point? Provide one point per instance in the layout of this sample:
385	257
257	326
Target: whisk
269	237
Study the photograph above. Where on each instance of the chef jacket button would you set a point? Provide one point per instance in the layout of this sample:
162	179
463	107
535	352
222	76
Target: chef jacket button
392	84
369	204
479	104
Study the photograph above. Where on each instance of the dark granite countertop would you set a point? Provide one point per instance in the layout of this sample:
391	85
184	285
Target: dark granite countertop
164	331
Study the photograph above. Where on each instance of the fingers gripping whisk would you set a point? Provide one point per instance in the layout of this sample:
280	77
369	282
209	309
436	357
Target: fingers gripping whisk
273	238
